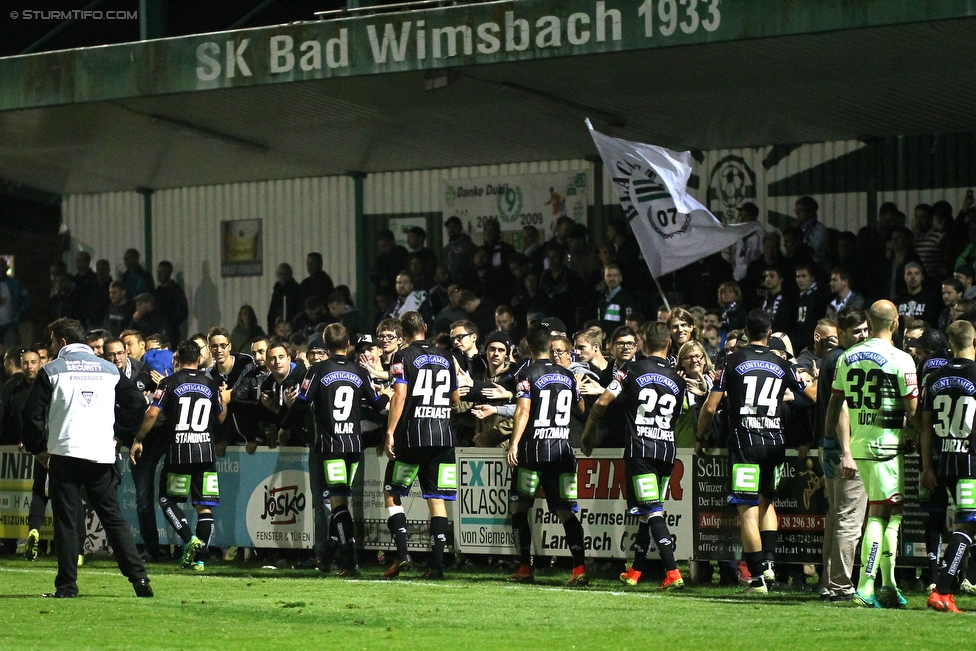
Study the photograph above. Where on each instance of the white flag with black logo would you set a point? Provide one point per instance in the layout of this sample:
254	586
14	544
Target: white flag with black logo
672	227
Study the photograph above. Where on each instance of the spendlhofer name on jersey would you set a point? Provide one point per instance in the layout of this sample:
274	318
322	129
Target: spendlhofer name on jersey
436	413
192	437
655	433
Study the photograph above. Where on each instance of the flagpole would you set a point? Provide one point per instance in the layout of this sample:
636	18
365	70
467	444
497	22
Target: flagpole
661	290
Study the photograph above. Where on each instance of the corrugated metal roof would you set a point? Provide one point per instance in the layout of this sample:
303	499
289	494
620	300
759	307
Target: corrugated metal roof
908	79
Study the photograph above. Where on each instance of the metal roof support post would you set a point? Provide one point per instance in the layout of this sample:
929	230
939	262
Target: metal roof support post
362	270
152	19
147	194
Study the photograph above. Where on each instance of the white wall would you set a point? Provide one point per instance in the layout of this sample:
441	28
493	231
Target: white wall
299	216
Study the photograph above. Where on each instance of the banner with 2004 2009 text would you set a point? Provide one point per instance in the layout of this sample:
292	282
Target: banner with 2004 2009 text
516	201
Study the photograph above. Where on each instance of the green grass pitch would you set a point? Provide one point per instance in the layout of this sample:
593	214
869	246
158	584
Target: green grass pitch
236	607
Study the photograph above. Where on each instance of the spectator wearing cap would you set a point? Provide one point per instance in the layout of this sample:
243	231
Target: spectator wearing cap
318	283
952	292
965	274
918	301
459	248
392	259
146	318
285	295
554	325
416	246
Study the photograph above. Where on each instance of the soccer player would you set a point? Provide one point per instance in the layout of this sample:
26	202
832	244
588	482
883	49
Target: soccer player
878	381
193	406
654	395
754	381
541	454
336	387
948	413
420	440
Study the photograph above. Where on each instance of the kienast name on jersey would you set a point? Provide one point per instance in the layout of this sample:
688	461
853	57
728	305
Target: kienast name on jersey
437	413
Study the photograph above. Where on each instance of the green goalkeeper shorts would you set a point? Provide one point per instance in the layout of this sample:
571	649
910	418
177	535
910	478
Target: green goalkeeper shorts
884	481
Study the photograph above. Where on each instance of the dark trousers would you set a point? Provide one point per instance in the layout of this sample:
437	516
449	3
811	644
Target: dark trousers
35	519
321	508
101	482
144	479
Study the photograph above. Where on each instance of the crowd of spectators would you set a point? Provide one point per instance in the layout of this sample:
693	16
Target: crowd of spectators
477	300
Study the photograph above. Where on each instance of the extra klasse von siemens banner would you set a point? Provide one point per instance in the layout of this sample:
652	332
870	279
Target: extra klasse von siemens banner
265	501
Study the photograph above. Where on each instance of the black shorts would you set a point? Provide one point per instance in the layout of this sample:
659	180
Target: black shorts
198	481
557	479
935	501
434	467
646	481
340	472
963	491
755	473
